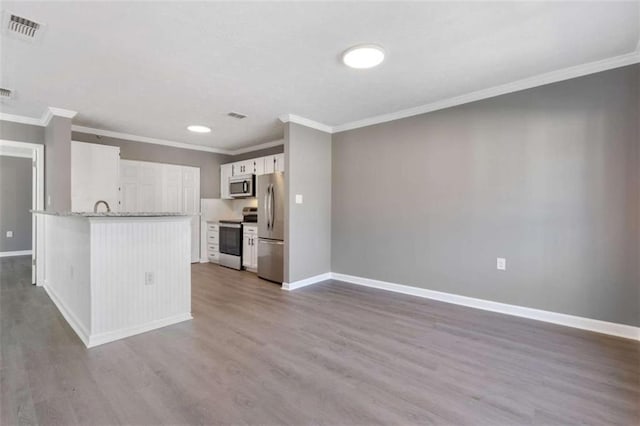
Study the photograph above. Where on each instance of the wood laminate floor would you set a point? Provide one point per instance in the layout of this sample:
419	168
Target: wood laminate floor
333	354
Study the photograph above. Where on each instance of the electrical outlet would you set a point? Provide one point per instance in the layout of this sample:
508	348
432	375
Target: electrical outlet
149	278
298	198
9	234
501	264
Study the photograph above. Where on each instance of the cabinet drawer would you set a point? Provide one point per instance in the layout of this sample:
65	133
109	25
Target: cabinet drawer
250	230
212	248
214	257
212	238
212	228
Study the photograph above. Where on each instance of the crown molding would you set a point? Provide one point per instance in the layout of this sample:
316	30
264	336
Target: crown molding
292	118
256	147
527	83
145	139
56	112
21	119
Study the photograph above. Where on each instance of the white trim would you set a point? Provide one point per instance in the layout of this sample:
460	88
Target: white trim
292	118
37	151
307	281
15	154
620	330
51	112
72	320
20	119
257	147
144	139
16	253
56	112
527	83
102	338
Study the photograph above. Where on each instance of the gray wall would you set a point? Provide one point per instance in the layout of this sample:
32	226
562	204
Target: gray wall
57	168
547	177
21	132
259	153
209	163
15	203
308	172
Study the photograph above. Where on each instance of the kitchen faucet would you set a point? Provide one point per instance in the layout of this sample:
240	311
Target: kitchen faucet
95	206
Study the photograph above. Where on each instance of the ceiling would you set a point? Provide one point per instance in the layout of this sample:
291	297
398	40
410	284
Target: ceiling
152	68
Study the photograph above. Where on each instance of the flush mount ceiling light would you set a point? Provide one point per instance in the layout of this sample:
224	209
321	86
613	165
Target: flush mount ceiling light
363	56
198	129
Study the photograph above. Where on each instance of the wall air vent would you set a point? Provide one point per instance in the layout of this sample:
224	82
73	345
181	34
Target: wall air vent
5	93
20	27
237	115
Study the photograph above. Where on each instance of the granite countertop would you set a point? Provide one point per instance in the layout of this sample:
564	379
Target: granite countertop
253	224
111	214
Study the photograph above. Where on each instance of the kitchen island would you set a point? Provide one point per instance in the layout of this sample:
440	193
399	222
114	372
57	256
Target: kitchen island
113	275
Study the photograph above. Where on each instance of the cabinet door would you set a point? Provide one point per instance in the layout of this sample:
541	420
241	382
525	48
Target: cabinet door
258	166
243	168
226	171
95	175
129	186
247	260
279	162
172	188
254	252
269	164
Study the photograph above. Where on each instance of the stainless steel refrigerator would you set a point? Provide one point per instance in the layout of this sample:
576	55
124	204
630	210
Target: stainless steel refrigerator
271	226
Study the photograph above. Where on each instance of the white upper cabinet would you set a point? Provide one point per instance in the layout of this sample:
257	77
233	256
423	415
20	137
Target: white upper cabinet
226	171
242	168
255	166
95	173
274	163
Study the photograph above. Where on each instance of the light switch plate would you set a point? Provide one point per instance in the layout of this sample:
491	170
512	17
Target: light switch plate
501	264
298	198
9	234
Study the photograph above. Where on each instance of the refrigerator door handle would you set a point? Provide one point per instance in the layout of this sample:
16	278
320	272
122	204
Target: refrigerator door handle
266	206
273	201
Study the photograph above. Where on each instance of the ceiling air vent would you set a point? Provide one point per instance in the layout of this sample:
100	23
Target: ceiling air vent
22	28
5	93
237	115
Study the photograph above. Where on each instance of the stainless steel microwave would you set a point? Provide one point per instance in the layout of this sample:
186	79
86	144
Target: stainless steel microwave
242	186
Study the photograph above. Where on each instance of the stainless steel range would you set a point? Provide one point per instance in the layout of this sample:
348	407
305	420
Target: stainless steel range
230	236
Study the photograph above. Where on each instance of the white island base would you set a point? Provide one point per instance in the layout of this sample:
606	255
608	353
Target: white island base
115	276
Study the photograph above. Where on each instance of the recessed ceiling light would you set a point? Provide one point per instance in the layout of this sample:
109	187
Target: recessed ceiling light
363	56
198	129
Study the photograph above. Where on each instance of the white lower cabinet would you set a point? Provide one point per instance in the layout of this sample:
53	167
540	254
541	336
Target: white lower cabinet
250	248
213	245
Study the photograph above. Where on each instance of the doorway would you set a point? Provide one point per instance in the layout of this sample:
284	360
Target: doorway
34	153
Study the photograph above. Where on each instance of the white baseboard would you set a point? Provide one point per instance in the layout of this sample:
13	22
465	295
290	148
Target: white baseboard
71	319
102	338
15	253
620	330
307	281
